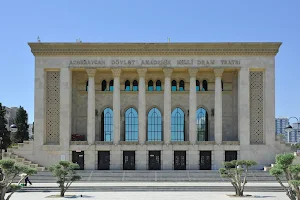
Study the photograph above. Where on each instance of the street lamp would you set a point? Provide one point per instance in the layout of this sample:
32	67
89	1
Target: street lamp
13	128
289	128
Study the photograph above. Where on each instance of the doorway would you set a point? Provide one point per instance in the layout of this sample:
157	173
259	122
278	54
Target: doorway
78	158
179	160
154	160
128	160
103	160
205	160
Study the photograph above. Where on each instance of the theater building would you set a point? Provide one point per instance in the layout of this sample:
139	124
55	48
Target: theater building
154	106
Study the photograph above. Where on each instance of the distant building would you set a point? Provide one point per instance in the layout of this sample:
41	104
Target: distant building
10	115
295	134
280	124
30	130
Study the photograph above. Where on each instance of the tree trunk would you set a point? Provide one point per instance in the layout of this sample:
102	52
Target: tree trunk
62	191
3	192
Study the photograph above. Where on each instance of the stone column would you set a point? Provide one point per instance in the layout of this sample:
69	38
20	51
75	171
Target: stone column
142	106
116	104
218	105
269	104
65	108
167	105
243	107
91	107
193	107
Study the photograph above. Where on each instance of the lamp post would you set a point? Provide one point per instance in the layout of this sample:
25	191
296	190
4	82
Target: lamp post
289	128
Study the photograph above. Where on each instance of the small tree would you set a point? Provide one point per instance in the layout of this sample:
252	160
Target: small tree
21	122
237	171
285	169
9	171
4	133
65	174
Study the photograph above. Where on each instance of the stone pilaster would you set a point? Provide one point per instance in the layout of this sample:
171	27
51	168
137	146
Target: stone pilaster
269	105
167	105
116	104
142	106
218	105
65	108
91	107
243	107
193	106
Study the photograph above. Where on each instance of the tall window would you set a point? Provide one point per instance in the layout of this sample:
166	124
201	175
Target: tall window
174	85
181	85
158	85
154	125
127	85
135	86
202	125
150	86
204	85
86	85
131	125
104	85
177	125
107	125
111	85
197	85
222	85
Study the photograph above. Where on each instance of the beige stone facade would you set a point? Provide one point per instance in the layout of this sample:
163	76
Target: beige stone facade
239	100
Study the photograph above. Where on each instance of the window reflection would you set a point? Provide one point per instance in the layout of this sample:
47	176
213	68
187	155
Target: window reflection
174	85
107	125
181	85
158	85
127	85
154	125
202	125
131	125
150	86
111	85
135	86
197	85
204	85
177	125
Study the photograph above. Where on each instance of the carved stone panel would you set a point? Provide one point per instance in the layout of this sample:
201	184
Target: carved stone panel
256	108
52	107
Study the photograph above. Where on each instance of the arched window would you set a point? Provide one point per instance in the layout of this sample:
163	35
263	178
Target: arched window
204	85
111	85
107	125
197	85
131	125
158	85
174	85
202	125
135	86
181	85
150	86
127	85
86	85
222	85
154	125
177	125
104	85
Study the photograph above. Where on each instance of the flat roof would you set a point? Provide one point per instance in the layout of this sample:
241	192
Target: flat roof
155	49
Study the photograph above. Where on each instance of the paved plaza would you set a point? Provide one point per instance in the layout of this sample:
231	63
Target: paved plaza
151	195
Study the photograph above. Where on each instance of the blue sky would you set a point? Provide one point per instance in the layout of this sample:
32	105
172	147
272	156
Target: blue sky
147	21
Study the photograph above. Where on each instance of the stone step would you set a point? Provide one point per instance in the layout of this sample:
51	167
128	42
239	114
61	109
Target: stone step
14	147
33	165
20	144
27	162
20	159
41	168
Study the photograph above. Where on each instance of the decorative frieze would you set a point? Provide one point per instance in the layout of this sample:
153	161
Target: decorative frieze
116	72
218	72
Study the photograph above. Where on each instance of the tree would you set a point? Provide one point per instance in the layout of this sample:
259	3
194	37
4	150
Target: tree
65	174
21	123
4	133
237	171
285	169
9	171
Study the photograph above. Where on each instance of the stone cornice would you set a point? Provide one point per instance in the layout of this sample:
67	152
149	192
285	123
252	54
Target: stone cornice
155	49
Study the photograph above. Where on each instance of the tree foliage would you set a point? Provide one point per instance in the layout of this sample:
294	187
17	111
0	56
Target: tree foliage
65	174
237	171
10	171
285	170
4	133
21	123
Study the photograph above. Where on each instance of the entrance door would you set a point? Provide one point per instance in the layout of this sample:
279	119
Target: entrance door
78	157
154	160
103	160
230	155
179	160
128	160
205	160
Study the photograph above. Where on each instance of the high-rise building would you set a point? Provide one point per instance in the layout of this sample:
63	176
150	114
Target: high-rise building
280	124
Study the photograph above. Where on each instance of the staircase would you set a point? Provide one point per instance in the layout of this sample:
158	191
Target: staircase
26	146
